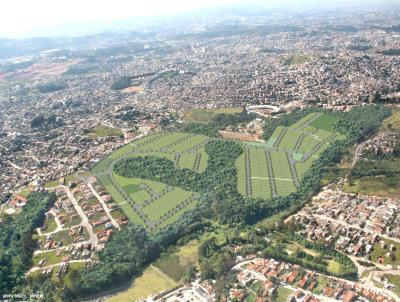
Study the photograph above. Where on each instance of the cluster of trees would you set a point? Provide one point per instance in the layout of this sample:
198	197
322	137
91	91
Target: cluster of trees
124	256
16	243
122	83
41	121
384	167
220	121
390	52
216	263
51	87
130	114
348	269
79	69
213	262
12	67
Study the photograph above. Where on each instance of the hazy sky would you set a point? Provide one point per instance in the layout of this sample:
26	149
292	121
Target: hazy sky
18	17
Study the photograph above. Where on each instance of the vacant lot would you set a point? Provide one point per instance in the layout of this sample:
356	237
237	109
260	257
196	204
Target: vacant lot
151	282
205	116
104	131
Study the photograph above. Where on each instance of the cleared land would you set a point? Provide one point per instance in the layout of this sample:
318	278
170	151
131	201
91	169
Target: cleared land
150	203
104	131
151	282
204	115
277	167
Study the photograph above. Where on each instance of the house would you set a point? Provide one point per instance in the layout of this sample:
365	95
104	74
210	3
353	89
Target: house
349	296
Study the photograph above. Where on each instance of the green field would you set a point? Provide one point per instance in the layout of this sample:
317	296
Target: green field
297	60
150	203
151	282
287	155
205	116
283	294
104	131
264	170
324	122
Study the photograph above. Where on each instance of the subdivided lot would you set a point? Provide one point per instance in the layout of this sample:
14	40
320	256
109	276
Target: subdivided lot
148	203
277	167
184	149
267	170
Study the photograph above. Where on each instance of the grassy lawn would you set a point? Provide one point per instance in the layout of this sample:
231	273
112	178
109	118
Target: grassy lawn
256	287
63	236
250	297
50	256
378	251
395	280
149	283
72	178
379	186
51	184
324	122
322	282
334	267
292	246
283	294
73	222
64	279
392	122
176	216
117	214
104	131
72	267
130	189
171	266
175	264
205	116
188	254
51	224
24	192
298	59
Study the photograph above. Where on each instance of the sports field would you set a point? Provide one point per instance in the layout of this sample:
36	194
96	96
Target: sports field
277	167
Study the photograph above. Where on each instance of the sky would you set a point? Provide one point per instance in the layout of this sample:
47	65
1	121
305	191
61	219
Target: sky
19	17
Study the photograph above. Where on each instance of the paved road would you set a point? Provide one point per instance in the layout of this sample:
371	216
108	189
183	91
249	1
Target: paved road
261	277
85	221
322	217
36	268
357	154
57	229
136	207
106	209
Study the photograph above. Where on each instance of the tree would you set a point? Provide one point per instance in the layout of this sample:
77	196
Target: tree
37	121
